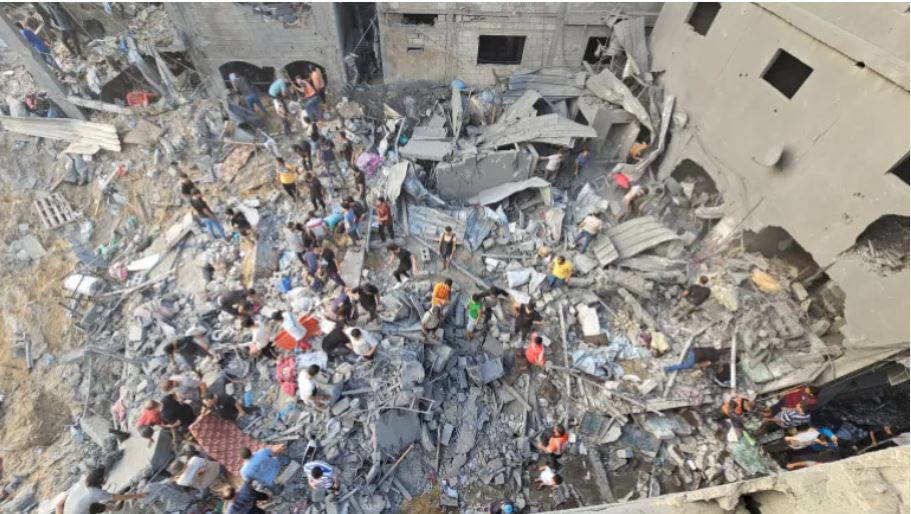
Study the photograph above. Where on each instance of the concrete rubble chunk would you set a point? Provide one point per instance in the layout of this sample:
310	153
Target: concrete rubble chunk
487	372
395	429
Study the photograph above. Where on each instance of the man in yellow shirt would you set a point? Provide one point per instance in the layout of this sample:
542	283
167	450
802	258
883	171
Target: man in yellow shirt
287	177
560	271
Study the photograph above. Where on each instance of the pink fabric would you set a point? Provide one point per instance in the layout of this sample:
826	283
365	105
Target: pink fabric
286	374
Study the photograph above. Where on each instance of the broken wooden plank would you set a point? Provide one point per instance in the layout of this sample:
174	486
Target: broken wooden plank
65	129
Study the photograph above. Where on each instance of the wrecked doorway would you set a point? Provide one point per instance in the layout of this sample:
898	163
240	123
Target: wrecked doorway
884	245
259	78
359	37
302	69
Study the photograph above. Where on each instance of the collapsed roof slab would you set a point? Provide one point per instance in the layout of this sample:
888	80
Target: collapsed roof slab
475	174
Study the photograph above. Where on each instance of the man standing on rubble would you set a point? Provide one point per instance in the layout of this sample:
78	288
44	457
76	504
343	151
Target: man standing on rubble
327	155
369	297
307	387
206	216
351	225
184	351
406	263
554	163
264	465
446	246
693	297
588	230
224	406
329	263
526	317
560	271
581	162
317	192
360	184
442	291
247	92
241	224
384	218
287	177
431	322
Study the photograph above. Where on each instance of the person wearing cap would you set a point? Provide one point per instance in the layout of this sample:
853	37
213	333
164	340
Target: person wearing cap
246	91
502	507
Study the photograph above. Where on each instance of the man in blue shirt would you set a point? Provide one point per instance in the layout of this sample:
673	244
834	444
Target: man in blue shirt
264	465
581	162
38	44
351	225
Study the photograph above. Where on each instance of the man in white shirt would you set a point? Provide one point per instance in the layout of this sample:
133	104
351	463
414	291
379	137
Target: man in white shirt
362	343
309	390
588	229
80	497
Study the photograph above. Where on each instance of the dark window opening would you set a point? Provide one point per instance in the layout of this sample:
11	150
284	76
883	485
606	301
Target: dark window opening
419	19
901	170
691	172
592	55
703	16
500	49
303	69
885	244
787	73
260	78
414	49
776	242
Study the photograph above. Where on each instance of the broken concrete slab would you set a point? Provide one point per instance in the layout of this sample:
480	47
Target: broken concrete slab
395	429
96	428
475	174
487	372
139	458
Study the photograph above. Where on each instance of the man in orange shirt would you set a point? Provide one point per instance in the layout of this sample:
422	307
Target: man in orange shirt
556	446
534	352
441	293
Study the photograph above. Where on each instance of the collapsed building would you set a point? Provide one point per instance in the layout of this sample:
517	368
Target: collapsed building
806	288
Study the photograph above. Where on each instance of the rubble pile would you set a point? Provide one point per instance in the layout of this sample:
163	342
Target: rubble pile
443	417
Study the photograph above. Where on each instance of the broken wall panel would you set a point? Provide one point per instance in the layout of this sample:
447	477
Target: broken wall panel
638	235
475	174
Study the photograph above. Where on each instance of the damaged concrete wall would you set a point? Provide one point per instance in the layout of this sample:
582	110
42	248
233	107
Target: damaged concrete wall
873	482
219	33
842	131
469	177
555	35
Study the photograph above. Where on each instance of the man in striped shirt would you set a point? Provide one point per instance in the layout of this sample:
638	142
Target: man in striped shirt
321	476
788	418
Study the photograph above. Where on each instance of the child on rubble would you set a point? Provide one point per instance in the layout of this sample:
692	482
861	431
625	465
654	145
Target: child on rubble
446	246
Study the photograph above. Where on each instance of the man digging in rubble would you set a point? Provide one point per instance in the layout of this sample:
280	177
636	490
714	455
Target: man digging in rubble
321	477
556	445
241	224
329	263
430	323
694	296
362	343
261	343
441	294
291	325
589	228
242	500
247	92
368	296
633	201
342	310
239	302
406	263
80	497
264	465
309	390
224	406
183	352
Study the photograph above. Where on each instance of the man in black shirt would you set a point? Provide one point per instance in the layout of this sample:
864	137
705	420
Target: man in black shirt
360	184
316	192
369	297
526	316
184	351
406	262
330	265
238	301
187	187
176	415
693	297
224	406
206	216
240	223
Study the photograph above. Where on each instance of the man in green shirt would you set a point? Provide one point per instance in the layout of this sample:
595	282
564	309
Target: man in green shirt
474	313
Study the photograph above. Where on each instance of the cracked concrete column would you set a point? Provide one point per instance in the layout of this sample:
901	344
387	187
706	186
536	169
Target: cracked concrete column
38	69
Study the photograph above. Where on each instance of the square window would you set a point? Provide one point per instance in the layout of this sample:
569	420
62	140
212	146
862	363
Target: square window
786	73
500	49
702	16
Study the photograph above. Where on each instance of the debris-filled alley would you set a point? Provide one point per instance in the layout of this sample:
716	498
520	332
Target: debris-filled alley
310	295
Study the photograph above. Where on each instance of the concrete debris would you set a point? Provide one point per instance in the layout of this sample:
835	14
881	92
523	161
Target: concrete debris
199	268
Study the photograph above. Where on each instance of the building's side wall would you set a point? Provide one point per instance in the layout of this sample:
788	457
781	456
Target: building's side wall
842	131
556	35
223	32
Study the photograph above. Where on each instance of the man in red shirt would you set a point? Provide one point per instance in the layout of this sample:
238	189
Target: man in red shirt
534	352
150	415
384	217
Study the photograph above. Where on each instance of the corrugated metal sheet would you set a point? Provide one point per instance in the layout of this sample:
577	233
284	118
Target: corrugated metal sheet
604	250
539	128
64	129
638	235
